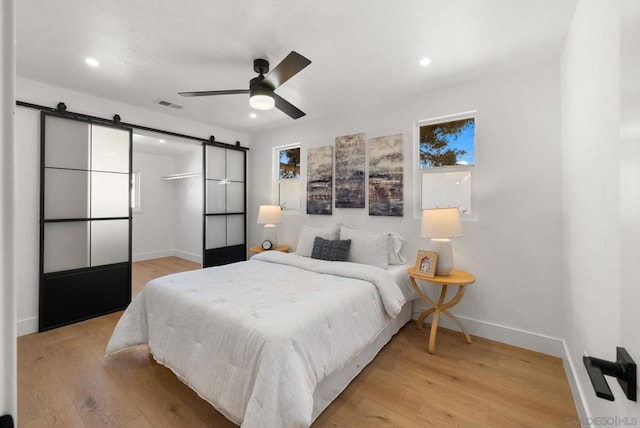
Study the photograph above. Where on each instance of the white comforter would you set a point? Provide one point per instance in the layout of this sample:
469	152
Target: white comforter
255	338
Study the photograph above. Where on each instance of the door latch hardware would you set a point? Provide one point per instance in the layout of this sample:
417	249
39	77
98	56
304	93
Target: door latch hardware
624	369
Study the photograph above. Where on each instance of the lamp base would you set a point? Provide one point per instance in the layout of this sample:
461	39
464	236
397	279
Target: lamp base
443	247
269	232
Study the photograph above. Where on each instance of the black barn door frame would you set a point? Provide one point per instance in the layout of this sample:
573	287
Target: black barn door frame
74	295
230	253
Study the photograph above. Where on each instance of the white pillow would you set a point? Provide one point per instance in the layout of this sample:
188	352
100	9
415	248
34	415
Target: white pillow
395	247
369	248
309	233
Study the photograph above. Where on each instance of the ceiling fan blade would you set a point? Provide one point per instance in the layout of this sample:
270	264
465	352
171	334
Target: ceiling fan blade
288	108
207	93
288	67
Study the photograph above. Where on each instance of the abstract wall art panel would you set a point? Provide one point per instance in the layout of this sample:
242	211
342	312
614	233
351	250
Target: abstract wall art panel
350	164
319	180
385	176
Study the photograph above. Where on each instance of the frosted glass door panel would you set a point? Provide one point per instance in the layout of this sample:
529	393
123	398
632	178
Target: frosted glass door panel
235	230
109	242
216	232
216	163
235	197
109	149
66	246
235	165
66	194
67	143
216	199
109	194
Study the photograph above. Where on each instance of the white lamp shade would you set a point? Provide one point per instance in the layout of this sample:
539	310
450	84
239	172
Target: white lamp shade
262	102
441	223
270	214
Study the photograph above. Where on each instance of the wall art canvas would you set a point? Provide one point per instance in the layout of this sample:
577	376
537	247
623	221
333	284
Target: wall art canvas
319	180
385	176
350	163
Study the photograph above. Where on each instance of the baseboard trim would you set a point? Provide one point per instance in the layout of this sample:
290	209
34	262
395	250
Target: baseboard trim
152	255
27	326
504	334
576	390
188	256
167	253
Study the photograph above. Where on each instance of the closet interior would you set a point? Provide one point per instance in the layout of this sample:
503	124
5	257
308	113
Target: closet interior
167	197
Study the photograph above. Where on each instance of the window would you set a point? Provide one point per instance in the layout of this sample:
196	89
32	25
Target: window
287	167
447	143
136	196
445	163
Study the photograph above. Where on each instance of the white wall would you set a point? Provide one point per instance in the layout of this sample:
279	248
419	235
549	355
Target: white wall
153	231
630	187
514	249
188	207
597	209
8	284
28	165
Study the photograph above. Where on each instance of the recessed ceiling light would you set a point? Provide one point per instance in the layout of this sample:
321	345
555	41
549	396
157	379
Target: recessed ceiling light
425	61
92	62
253	115
160	141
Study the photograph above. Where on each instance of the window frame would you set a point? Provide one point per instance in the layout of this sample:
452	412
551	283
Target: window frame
276	180
419	172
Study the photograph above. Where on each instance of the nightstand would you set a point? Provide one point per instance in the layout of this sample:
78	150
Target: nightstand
457	278
258	249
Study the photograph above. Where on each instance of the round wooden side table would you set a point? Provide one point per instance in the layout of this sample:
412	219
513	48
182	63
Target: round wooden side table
456	278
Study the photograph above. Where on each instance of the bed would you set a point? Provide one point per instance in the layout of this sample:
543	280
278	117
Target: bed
269	342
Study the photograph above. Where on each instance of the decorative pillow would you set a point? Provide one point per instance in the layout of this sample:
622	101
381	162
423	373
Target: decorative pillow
369	248
395	246
336	251
309	233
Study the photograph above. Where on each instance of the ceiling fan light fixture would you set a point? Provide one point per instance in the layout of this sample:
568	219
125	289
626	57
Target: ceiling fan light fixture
262	102
261	88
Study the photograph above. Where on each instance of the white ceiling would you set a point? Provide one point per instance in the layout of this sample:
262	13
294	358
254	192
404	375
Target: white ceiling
362	51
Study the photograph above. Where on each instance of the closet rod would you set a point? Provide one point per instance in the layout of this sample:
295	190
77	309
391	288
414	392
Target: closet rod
181	176
130	125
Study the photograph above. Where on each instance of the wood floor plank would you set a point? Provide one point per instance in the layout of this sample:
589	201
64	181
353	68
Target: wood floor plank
140	422
63	380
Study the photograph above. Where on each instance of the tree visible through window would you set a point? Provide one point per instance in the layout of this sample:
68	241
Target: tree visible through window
289	163
447	143
445	164
288	185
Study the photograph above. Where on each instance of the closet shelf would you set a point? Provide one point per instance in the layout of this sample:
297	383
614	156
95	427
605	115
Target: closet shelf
182	176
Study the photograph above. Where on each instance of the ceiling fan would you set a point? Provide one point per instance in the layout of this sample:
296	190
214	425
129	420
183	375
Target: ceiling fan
261	88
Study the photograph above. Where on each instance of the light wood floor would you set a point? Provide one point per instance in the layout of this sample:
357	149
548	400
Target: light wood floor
63	381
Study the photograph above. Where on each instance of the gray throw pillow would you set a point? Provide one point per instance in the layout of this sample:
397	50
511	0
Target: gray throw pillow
325	249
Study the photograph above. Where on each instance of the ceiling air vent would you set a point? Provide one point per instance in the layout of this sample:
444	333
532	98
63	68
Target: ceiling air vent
168	104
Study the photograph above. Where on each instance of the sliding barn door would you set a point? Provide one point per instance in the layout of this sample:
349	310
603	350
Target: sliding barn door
225	220
85	220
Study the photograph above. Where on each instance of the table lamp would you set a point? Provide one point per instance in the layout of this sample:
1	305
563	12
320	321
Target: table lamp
440	224
270	215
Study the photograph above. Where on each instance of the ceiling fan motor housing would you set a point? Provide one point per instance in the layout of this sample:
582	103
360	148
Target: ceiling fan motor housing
261	96
257	86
